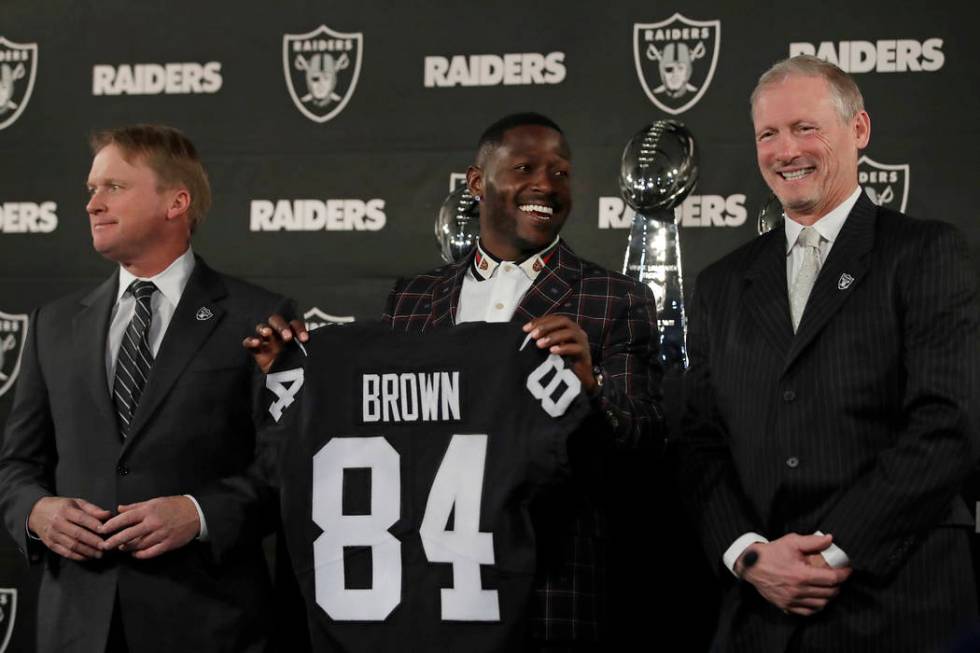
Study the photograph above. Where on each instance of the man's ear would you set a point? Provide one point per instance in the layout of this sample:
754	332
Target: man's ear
862	129
180	204
474	180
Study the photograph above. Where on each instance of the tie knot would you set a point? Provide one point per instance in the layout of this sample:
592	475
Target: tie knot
142	290
809	237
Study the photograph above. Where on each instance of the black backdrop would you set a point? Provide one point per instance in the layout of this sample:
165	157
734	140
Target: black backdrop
363	174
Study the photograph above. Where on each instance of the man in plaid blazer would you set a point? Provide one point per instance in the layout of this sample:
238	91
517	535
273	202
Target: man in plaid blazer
604	323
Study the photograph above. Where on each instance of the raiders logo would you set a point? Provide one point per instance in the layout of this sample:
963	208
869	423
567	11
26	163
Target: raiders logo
887	185
315	318
18	67
8	613
321	70
13	329
675	60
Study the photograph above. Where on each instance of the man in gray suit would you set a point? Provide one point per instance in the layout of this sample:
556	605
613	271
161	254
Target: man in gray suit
130	466
832	399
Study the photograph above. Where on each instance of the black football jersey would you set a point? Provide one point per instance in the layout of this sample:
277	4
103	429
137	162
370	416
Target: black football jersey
406	471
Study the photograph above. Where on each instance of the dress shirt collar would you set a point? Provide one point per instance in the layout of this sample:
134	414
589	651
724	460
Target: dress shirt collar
170	282
485	265
828	226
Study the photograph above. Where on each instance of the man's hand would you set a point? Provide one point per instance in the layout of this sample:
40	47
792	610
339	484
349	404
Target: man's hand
69	527
788	574
151	528
271	338
562	336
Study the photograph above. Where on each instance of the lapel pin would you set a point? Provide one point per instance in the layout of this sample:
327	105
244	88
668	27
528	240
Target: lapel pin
845	281
204	313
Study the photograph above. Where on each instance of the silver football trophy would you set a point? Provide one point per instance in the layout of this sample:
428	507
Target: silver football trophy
458	224
659	169
770	215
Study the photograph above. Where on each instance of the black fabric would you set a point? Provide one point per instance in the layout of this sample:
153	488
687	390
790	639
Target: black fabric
863	425
525	452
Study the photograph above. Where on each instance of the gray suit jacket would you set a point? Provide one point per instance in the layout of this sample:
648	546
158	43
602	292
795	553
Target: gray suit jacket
193	433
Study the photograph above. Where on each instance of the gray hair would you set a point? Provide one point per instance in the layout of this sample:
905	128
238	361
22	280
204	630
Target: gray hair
844	92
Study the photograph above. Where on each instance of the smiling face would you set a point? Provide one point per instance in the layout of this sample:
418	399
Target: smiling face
806	152
525	191
133	221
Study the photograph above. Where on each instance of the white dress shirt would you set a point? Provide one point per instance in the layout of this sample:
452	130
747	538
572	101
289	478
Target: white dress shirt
493	289
828	227
170	283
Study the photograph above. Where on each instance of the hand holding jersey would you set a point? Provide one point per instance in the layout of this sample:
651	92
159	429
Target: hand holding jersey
270	339
563	337
560	334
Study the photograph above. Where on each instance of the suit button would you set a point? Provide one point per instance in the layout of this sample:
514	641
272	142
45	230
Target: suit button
789	395
122	470
792	462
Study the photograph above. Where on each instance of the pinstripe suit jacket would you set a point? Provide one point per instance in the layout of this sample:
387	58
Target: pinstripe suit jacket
863	425
619	316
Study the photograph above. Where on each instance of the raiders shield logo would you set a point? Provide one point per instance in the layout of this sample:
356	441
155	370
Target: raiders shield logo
321	70
676	59
18	67
8	613
13	329
315	318
886	185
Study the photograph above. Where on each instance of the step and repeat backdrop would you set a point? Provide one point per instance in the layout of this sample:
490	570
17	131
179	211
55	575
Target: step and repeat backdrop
333	131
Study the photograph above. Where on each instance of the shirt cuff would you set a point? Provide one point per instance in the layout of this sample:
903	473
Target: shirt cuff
30	533
731	555
834	555
202	535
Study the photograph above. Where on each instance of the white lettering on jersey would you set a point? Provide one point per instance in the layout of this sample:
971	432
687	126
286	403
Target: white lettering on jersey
410	397
285	394
457	489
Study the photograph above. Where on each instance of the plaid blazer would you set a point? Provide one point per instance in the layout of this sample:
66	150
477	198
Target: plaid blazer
619	316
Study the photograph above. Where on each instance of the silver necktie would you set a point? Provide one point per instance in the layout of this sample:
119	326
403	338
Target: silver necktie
809	241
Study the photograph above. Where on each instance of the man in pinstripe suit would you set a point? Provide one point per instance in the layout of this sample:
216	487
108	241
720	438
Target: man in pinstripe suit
832	399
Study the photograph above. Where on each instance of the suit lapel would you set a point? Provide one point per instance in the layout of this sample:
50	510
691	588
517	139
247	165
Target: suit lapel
90	326
445	294
552	287
840	275
765	296
185	336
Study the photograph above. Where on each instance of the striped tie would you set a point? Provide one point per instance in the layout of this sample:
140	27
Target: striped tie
135	358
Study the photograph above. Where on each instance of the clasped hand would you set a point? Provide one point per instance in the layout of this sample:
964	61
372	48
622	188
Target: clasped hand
791	574
79	530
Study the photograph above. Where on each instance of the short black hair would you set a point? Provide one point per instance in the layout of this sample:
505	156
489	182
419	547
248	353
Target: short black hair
493	136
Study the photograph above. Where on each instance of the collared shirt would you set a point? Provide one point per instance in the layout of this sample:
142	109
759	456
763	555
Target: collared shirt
493	289
170	286
170	283
828	227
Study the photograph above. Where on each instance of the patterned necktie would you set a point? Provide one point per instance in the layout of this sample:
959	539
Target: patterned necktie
135	357
809	241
